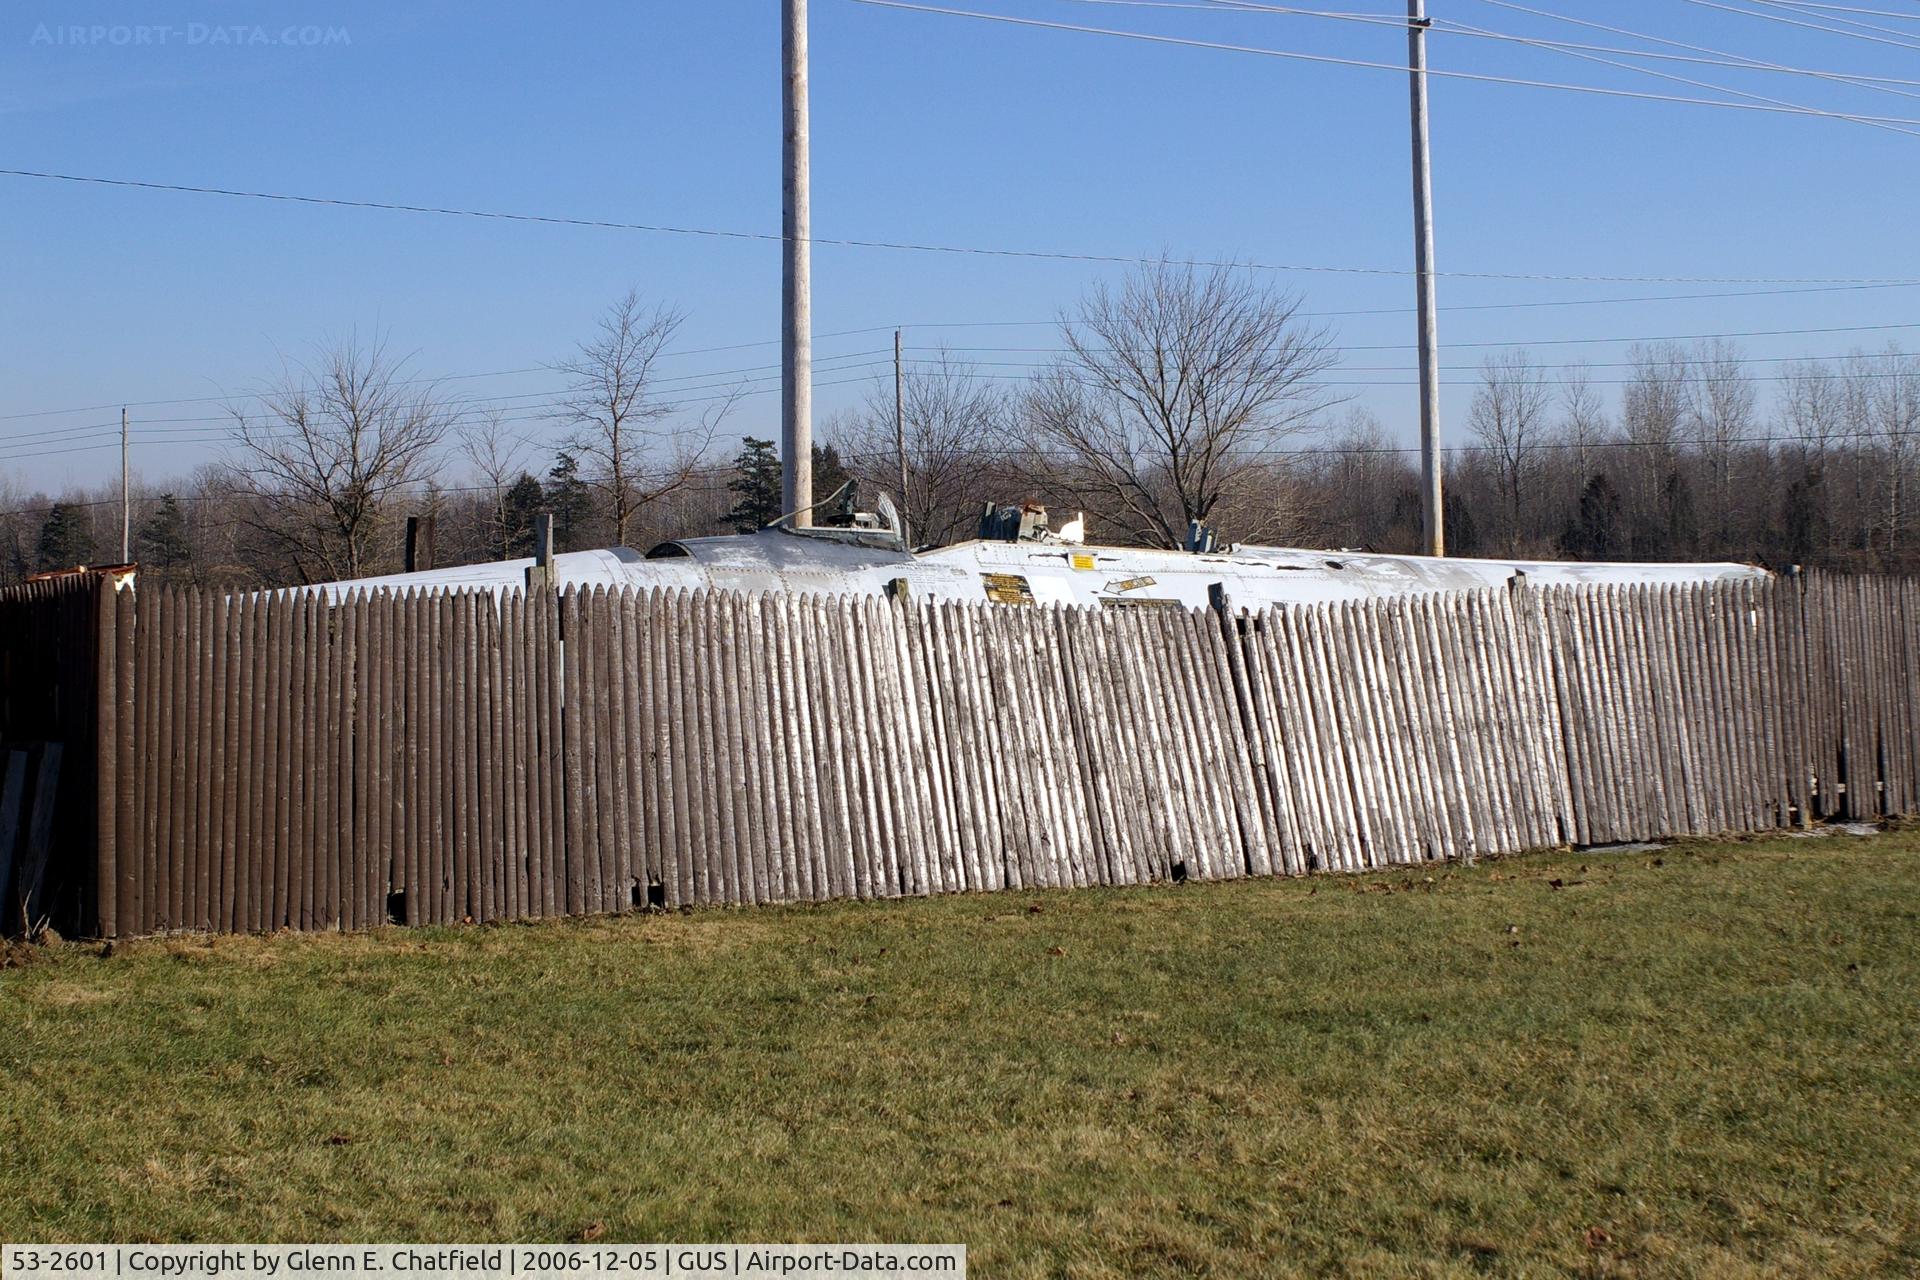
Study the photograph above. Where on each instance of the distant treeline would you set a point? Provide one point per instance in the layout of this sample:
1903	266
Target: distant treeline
1179	394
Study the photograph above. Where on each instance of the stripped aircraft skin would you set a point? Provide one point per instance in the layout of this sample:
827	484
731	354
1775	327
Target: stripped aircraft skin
1042	571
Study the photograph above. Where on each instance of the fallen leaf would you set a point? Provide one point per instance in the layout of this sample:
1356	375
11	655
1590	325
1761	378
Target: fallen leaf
1596	1238
1056	951
592	1231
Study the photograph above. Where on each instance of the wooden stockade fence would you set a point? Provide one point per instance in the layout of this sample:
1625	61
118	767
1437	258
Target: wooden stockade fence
240	763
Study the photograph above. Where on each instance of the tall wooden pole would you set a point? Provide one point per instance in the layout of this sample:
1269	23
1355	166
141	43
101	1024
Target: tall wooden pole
900	440
1432	501
796	286
126	496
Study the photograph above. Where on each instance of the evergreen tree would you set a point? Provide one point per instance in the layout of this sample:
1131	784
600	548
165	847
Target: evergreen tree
755	485
1803	516
1683	529
829	473
1463	532
1594	531
570	501
525	500
163	546
757	481
65	540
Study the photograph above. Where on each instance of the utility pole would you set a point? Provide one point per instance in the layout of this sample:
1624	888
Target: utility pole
900	441
1432	505
126	497
796	284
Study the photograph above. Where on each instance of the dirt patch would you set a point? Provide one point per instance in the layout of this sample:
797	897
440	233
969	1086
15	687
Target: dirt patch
18	955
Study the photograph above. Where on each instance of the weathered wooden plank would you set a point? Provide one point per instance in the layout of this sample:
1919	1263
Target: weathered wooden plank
884	836
676	868
1624	718
329	911
1059	770
1410	701
1320	766
694	771
973	772
833	746
1019	808
639	874
939	834
128	888
1198	645
1280	698
1200	838
770	730
571	654
491	759
815	827
1097	728
105	905
913	861
300	891
754	752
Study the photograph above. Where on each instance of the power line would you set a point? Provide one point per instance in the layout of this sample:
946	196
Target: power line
1331	60
1878	83
936	361
1847	8
1044	255
1796	22
473	410
503	373
984	324
476	409
1550	342
541	417
1226	6
1733	61
1569	52
1837	438
1848	22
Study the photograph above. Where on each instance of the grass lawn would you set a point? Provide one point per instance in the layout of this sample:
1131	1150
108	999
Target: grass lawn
1700	1061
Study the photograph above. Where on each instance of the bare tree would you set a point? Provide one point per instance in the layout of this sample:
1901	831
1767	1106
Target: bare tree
1583	419
1508	417
326	450
1720	410
1653	411
1893	414
632	460
953	422
1173	392
499	457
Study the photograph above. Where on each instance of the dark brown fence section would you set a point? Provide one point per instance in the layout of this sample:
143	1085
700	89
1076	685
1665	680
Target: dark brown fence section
1855	664
278	761
454	758
51	678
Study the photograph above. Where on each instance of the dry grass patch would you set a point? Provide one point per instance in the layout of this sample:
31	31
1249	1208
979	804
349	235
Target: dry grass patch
1690	1061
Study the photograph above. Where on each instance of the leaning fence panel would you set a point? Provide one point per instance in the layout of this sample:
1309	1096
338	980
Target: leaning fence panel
198	761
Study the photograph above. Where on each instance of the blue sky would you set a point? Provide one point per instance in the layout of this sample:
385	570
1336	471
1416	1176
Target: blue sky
927	129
